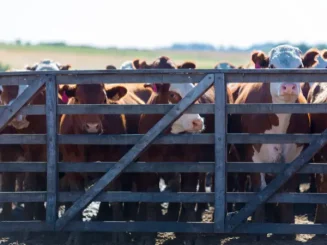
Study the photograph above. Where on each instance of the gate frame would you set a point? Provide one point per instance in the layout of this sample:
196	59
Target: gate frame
222	224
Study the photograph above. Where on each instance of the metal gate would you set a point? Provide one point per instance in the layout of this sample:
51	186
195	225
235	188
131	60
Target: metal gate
205	79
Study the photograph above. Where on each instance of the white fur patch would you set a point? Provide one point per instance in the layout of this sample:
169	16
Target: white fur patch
270	153
127	65
185	122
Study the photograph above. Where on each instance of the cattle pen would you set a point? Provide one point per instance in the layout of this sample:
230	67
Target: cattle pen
222	223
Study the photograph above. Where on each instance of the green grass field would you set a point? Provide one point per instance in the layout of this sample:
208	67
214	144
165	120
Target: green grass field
94	58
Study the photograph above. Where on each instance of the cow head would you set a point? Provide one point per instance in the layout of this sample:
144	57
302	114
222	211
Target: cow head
91	94
48	65
224	65
187	65
111	67
172	94
283	57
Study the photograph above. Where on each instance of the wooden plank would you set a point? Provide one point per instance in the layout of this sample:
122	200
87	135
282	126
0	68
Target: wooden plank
276	108
277	182
131	109
279	228
130	78
52	150
20	101
17	139
140	72
136	150
233	138
185	197
312	198
18	79
147	226
22	226
161	167
28	110
162	109
277	77
220	152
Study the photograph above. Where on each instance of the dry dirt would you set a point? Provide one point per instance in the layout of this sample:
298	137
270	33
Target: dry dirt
304	216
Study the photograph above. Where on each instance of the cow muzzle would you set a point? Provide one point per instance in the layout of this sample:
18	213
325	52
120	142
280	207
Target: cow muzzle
19	122
93	128
289	89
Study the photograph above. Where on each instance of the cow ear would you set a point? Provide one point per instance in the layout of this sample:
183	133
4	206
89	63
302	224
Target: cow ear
260	59
64	67
111	67
116	93
31	68
309	59
187	65
136	64
324	53
144	65
70	90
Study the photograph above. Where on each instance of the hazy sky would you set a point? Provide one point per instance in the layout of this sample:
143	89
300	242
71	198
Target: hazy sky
152	23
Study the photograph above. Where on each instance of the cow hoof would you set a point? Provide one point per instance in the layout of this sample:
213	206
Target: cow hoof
73	239
118	238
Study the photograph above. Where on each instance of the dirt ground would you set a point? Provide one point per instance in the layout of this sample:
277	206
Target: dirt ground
304	215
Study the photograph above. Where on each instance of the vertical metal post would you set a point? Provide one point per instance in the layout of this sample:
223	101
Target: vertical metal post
52	150
220	152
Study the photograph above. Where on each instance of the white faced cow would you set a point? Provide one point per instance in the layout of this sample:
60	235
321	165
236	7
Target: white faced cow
282	57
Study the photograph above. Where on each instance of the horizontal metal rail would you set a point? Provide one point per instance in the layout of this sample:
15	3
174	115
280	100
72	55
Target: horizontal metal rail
169	75
159	167
162	109
130	139
231	197
118	226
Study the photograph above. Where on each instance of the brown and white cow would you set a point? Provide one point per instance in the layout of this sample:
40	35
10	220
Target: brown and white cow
283	56
316	60
318	95
187	123
31	124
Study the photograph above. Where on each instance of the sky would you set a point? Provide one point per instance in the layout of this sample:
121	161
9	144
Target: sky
152	23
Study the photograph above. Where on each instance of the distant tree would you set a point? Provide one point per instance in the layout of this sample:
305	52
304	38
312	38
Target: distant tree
18	42
4	67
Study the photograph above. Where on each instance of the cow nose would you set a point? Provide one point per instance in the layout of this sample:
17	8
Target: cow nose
93	127
288	88
197	124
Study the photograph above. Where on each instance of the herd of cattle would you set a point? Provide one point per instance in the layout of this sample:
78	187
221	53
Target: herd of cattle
283	56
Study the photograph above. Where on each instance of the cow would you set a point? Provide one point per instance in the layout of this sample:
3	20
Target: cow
316	59
97	124
224	65
31	124
283	56
318	95
187	123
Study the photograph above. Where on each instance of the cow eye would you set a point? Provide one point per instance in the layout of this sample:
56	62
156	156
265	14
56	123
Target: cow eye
271	66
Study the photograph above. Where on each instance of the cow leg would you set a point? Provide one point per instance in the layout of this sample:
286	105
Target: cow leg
40	211
321	209
75	183
189	183
117	209
201	206
172	181
259	214
148	183
30	184
7	185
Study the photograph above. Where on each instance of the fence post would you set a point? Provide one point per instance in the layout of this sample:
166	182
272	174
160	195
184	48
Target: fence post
220	152
52	150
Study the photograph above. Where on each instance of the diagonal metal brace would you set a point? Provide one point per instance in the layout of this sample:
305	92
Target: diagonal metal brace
136	150
290	169
10	111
